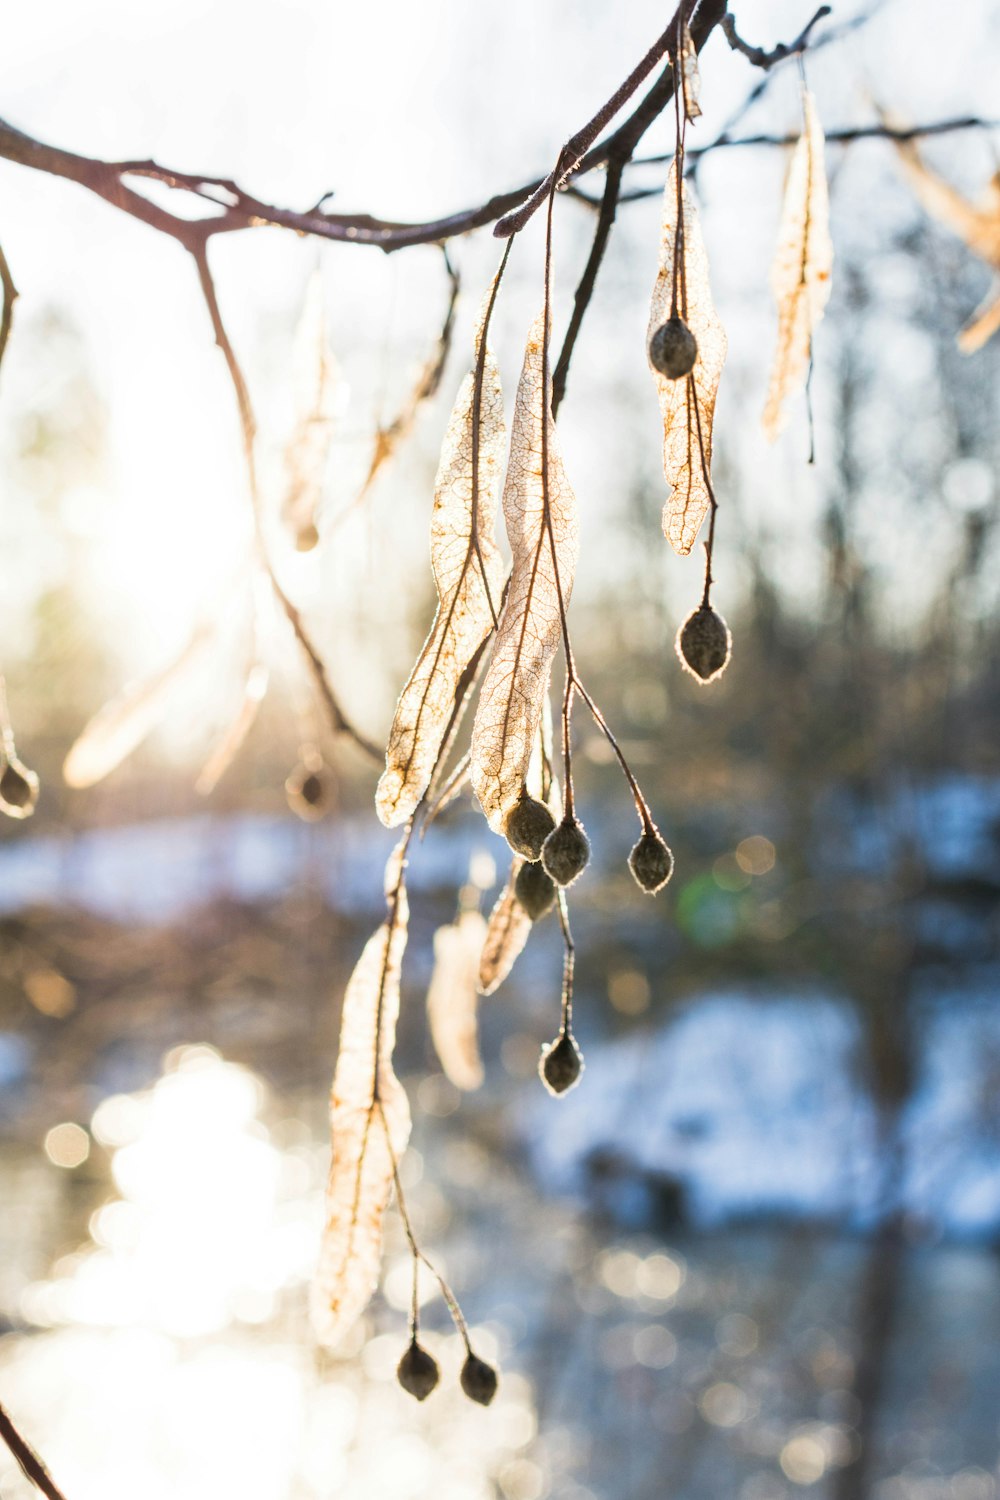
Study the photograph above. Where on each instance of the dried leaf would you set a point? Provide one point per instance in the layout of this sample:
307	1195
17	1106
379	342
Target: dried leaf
318	386
800	274
507	931
978	224
690	75
687	406
463	550
452	999
231	743
530	628
370	1124
122	725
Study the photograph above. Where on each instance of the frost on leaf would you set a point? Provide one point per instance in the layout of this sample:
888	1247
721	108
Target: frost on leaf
507	931
463	550
978	224
121	725
317	386
687	406
800	273
541	519
231	742
369	1121
688	60
452	999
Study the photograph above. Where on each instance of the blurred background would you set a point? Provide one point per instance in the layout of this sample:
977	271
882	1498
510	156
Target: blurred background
755	1253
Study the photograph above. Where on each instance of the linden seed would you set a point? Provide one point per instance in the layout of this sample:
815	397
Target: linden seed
479	1380
566	851
534	890
673	349
307	538
527	826
561	1063
308	793
651	862
417	1371
18	790
704	644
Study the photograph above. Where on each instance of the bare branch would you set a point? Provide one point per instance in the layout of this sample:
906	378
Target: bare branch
28	1459
766	60
585	289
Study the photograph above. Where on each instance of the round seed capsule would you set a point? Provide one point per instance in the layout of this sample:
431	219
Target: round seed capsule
18	790
651	863
534	890
561	1063
309	793
566	851
527	826
306	538
673	349
479	1380
704	644
417	1371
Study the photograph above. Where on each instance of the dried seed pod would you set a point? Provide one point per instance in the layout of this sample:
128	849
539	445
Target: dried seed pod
417	1371
309	792
534	890
566	851
527	826
306	538
704	644
18	789
673	349
651	862
479	1380
561	1063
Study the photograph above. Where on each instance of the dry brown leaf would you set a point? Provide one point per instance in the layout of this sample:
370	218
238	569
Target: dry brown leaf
369	1122
687	406
452	999
978	224
317	389
121	725
507	931
530	628
231	742
463	550
800	273
689	73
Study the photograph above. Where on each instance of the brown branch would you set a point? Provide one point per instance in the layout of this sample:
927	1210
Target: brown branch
838	137
10	295
761	59
585	289
31	1464
339	722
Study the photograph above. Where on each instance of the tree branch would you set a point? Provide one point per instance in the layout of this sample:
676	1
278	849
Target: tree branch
766	60
28	1459
10	295
585	289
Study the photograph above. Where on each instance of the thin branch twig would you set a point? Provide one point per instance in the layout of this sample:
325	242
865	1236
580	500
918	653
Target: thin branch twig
10	295
767	60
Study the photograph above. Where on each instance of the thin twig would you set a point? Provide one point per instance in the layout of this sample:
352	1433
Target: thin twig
10	295
28	1459
585	288
339	722
766	60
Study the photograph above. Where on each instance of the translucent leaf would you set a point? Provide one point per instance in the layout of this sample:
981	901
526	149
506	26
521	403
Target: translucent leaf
122	725
231	742
463	549
530	628
318	388
452	999
507	931
370	1125
687	406
800	274
978	224
689	72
